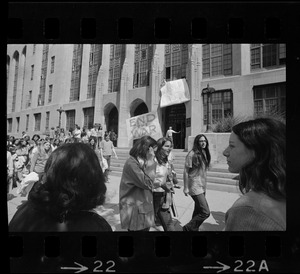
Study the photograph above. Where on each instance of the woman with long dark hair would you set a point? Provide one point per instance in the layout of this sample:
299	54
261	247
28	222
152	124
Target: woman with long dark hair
257	151
194	177
65	197
163	196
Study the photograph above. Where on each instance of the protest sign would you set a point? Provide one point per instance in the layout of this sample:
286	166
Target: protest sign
174	92
145	124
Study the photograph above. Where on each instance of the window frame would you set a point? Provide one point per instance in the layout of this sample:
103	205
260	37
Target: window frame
211	56
176	60
261	56
280	97
222	94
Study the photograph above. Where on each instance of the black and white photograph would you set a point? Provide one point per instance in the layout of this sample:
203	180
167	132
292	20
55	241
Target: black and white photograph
146	137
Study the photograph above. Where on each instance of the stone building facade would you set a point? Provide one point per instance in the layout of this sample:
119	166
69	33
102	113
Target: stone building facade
109	83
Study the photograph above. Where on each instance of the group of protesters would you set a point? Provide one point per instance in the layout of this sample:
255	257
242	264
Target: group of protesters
72	184
30	154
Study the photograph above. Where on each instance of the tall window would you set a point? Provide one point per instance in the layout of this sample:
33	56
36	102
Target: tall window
50	93
23	60
142	64
41	100
16	59
27	122
117	57
47	120
32	72
37	121
270	99
33	49
70	116
88	117
94	66
52	64
7	69
220	105
18	123
9	125
176	59
76	72
267	55
216	60
29	98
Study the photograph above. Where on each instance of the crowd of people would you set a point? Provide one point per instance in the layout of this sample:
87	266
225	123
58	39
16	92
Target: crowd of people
26	155
71	182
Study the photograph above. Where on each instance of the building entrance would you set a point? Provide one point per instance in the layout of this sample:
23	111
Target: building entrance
141	109
112	120
175	117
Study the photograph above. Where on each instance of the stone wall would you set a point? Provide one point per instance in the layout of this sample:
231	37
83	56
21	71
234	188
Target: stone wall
218	142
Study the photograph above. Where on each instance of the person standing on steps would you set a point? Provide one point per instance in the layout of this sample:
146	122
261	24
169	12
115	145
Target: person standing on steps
107	149
169	134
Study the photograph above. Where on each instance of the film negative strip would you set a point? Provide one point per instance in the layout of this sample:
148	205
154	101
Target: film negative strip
165	23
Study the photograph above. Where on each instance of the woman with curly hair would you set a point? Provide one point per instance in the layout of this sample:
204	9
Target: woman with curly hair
257	151
194	178
65	197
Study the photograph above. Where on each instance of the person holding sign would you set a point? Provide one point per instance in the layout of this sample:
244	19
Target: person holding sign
169	134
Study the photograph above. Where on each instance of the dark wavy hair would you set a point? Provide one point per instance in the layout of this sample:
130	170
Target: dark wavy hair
266	172
160	154
73	181
200	159
141	146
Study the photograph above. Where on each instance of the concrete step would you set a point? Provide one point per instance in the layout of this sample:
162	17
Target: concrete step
218	176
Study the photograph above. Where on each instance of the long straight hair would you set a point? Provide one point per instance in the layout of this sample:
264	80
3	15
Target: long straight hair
202	155
267	171
160	154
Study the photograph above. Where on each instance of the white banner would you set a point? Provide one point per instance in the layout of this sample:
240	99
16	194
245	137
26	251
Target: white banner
145	124
174	92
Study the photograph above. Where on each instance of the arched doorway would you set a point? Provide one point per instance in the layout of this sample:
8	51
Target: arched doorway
138	107
111	118
175	117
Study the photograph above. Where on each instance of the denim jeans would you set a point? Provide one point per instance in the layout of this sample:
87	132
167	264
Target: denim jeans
200	214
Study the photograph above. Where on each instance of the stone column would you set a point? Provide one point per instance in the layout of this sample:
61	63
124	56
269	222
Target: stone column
194	107
125	86
157	80
102	86
245	59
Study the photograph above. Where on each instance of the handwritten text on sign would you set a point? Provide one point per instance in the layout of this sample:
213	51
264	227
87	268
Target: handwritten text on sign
145	124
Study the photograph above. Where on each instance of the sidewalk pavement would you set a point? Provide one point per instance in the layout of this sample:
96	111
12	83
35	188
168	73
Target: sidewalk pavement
219	202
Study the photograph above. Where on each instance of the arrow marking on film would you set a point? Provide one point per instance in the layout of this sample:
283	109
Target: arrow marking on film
80	268
223	267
